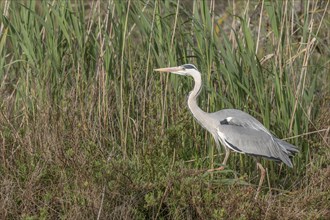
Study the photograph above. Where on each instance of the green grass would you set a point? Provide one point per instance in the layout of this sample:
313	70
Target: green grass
89	130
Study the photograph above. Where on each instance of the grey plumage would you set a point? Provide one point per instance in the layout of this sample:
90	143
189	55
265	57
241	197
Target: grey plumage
234	129
244	134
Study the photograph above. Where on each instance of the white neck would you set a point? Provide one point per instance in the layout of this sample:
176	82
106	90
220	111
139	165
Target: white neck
198	113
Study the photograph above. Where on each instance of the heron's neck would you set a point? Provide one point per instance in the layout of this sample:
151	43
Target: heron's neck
198	113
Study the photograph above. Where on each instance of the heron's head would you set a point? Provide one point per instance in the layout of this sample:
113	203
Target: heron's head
184	70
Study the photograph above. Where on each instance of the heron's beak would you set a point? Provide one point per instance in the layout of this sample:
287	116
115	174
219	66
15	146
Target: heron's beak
169	69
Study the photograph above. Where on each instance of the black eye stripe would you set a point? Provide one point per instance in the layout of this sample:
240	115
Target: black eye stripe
189	66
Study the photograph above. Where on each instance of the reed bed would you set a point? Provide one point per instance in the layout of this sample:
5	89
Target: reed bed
88	130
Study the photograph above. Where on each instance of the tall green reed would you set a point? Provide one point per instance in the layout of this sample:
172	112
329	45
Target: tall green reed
95	66
83	112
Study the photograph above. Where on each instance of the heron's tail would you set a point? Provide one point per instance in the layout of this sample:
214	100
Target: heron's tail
291	149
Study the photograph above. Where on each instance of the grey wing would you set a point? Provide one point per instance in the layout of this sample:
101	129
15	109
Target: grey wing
240	118
242	133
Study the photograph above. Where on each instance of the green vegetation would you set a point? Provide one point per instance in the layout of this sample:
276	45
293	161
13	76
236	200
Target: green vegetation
89	131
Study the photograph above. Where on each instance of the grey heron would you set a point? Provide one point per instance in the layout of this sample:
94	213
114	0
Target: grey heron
236	130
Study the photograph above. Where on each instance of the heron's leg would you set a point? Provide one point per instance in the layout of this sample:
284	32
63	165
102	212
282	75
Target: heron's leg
262	177
224	162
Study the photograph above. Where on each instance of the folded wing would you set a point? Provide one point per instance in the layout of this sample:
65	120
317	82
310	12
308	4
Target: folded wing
244	134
